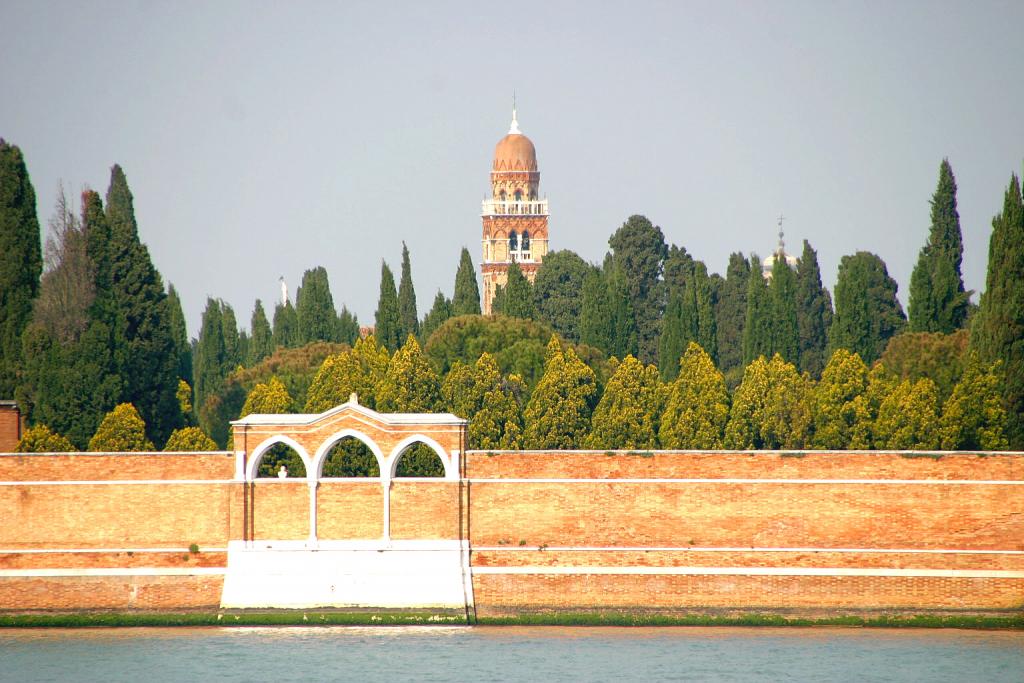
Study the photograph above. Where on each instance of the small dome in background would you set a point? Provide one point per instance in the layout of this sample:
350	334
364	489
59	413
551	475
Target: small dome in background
515	151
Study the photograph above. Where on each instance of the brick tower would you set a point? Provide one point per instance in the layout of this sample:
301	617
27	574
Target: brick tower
515	218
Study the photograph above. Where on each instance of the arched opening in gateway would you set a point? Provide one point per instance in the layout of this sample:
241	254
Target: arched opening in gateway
350	457
419	460
277	455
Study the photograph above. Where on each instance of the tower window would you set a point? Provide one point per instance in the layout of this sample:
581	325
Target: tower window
501	196
526	240
519	195
513	241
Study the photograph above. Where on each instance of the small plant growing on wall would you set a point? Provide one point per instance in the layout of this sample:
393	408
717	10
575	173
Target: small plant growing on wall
194	548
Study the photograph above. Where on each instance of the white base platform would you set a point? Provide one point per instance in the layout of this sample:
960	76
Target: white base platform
296	575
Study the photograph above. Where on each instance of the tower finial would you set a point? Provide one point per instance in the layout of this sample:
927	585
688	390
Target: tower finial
782	243
514	128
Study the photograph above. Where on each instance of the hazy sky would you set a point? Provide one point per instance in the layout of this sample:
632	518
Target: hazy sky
262	139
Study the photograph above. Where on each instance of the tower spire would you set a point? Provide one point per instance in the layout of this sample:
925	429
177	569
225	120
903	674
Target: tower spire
782	243
514	128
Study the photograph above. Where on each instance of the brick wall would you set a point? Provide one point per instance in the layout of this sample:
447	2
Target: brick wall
117	466
10	426
350	510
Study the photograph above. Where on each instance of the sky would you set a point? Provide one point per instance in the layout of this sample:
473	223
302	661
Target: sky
262	139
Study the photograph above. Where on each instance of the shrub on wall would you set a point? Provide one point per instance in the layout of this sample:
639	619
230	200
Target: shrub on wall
189	439
40	439
121	430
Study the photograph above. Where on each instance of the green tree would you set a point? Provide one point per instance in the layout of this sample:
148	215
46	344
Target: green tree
624	339
937	356
908	417
261	344
138	315
189	440
271	398
770	408
359	370
973	417
121	430
697	406
388	318
813	313
782	292
515	299
556	292
557	415
233	355
479	394
21	260
731	313
410	385
757	329
210	360
436	316
677	331
407	297
286	326
998	329
938	302
595	312
348	327
179	333
839	404
314	308
627	414
466	300
639	252
40	439
868	313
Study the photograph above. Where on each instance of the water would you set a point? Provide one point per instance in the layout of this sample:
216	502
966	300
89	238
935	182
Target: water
531	654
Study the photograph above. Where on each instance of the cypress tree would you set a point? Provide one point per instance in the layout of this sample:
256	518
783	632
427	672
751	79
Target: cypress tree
556	292
770	408
121	430
840	406
998	329
731	313
973	417
261	344
144	342
627	414
674	335
466	300
868	313
595	312
908	418
348	326
360	370
705	301
435	317
813	313
624	336
232	340
388	317
407	297
938	302
478	394
639	252
782	292
179	333
209	359
21	260
757	328
558	412
410	385
697	406
314	308
286	326
516	295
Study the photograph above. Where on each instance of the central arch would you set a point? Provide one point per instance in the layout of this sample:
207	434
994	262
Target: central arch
325	449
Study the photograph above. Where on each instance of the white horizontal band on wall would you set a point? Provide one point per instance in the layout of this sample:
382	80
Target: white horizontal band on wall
126	482
700	549
755	571
933	482
57	551
114	571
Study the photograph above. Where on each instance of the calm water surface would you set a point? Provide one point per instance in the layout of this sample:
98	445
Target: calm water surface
442	653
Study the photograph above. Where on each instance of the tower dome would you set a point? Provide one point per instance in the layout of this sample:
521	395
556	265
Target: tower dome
515	151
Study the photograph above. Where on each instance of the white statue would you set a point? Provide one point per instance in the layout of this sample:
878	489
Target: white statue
282	473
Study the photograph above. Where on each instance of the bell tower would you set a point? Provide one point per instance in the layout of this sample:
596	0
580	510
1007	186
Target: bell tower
515	218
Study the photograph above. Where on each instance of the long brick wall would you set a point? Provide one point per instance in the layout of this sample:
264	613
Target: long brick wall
570	531
871	532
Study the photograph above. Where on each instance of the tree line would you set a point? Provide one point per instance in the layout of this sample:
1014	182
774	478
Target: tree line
96	329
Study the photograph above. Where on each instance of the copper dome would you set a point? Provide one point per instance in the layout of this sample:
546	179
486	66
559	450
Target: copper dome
515	152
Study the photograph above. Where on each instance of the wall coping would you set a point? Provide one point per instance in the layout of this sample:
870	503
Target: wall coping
117	453
304	419
642	453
